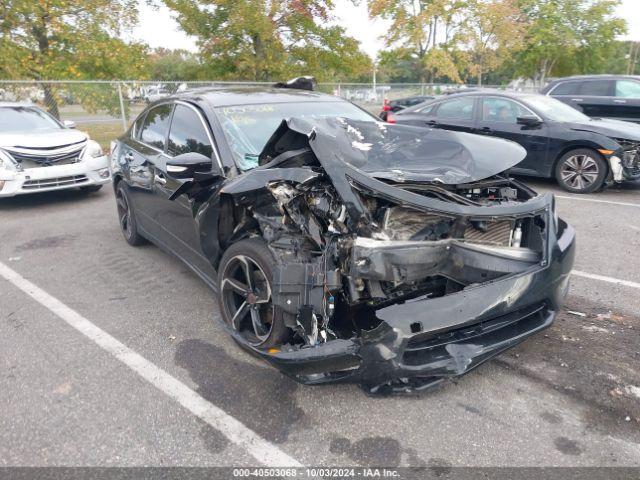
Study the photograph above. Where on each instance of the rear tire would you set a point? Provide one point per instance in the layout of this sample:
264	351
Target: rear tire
581	171
127	217
245	279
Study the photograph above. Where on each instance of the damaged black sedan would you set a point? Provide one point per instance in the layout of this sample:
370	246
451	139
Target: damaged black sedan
344	249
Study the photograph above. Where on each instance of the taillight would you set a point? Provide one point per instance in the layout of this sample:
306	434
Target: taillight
390	118
385	106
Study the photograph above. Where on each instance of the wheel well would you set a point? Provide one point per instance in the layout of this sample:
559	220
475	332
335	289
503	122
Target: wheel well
578	147
116	180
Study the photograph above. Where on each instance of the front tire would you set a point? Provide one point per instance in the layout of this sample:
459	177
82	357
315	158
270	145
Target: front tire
245	279
581	171
127	217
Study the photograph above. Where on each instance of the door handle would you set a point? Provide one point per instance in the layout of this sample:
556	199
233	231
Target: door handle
577	99
160	178
619	101
485	130
431	123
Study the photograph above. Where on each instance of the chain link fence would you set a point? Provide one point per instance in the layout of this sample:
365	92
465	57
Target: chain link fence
104	109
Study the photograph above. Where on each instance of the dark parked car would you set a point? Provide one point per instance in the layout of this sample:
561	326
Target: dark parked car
603	96
400	103
342	248
582	153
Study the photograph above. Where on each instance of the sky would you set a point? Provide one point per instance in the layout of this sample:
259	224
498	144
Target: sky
158	27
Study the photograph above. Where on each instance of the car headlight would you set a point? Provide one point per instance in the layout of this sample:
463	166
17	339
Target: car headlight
94	149
5	161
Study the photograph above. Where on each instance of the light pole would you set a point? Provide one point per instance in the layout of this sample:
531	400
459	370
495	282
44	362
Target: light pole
375	93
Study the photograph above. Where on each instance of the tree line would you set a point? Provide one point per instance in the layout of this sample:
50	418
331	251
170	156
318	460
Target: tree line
454	41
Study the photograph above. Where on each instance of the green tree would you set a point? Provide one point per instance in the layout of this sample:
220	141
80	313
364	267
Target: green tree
267	40
175	65
491	34
426	30
68	39
567	37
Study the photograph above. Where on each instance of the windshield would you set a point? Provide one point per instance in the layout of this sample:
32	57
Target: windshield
20	119
554	109
248	127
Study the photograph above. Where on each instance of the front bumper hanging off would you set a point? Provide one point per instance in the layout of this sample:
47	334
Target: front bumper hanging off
423	341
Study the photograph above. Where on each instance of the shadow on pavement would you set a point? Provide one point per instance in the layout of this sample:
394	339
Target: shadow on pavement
35	200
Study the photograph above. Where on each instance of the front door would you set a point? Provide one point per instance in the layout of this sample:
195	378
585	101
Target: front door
498	118
188	133
627	100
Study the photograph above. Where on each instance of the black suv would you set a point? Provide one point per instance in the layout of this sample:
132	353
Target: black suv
605	96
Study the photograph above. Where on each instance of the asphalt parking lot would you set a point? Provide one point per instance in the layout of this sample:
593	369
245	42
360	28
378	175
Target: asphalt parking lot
70	395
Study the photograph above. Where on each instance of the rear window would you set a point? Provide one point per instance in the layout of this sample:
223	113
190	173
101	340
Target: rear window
156	124
457	109
566	88
596	88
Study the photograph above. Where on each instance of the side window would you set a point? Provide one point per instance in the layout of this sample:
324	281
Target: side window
566	88
137	126
596	88
627	89
155	126
457	109
188	134
429	109
502	110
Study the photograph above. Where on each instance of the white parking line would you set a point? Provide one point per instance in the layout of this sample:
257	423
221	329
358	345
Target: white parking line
602	278
582	199
259	448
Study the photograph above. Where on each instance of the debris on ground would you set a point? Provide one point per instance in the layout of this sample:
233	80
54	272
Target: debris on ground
579	314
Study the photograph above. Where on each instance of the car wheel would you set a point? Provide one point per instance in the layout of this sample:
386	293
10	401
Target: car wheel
91	188
245	277
581	171
127	217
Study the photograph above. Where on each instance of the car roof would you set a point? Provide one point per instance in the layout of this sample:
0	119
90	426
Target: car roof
484	91
475	93
600	76
220	97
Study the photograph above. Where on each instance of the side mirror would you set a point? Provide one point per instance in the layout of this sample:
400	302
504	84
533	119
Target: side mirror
69	124
528	120
193	166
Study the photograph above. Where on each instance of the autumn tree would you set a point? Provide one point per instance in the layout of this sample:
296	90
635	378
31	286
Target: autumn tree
492	33
264	40
424	29
69	39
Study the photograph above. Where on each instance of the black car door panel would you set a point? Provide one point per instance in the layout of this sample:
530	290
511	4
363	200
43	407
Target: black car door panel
498	118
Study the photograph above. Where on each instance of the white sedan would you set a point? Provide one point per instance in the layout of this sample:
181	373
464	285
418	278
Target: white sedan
38	153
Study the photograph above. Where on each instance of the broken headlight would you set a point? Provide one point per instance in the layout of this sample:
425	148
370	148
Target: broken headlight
6	162
94	150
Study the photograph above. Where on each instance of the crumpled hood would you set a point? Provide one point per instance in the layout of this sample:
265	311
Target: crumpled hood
400	152
610	128
42	138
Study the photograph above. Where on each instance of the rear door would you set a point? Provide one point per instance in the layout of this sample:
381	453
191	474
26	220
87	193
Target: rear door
627	100
456	114
145	156
567	92
498	118
188	132
595	97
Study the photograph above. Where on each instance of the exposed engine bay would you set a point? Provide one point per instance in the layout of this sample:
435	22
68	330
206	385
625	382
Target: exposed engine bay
351	244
